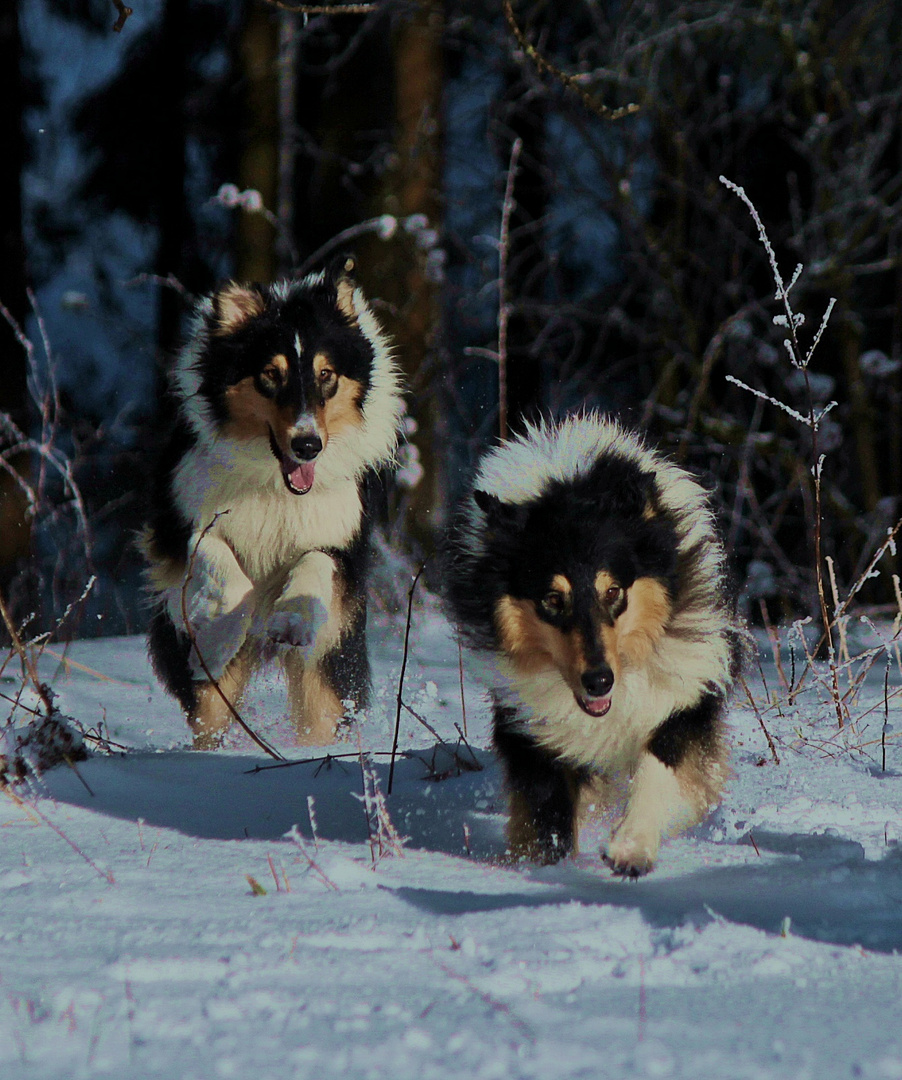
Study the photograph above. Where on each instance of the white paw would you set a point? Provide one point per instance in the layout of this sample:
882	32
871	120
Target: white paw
218	641
289	628
631	855
297	622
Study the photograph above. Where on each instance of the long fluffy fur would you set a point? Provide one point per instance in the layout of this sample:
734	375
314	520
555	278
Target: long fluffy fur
288	403
588	567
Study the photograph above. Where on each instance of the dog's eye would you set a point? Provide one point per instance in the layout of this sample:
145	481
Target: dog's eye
613	595
327	379
269	382
554	603
273	377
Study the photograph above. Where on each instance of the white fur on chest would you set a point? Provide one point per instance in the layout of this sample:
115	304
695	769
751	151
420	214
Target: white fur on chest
268	528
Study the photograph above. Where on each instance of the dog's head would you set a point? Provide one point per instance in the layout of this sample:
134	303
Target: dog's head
293	366
583	586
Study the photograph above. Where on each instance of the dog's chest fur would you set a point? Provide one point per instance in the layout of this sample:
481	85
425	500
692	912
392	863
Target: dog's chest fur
268	528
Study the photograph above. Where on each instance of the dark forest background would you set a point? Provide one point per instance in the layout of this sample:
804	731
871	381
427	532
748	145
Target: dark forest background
210	139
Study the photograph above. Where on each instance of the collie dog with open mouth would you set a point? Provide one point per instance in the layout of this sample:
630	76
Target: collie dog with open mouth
288	403
588	568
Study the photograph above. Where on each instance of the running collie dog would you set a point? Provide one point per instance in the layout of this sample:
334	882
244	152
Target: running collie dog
288	402
589	567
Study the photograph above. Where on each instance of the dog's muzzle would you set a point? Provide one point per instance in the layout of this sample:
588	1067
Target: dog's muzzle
298	475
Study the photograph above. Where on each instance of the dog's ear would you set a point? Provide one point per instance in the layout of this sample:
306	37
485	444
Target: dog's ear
340	271
234	305
500	515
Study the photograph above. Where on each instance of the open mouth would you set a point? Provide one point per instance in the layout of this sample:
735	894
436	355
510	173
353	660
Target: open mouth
298	475
594	706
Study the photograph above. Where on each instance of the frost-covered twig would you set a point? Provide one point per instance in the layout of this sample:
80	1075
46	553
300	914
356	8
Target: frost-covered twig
384	838
295	836
792	320
46	400
572	82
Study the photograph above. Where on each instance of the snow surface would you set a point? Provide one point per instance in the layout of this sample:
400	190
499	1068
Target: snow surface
133	945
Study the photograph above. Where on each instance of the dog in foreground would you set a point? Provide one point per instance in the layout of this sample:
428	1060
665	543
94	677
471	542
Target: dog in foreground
287	405
588	567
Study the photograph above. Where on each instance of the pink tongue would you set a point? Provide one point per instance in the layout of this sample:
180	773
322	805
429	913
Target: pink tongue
597	706
301	476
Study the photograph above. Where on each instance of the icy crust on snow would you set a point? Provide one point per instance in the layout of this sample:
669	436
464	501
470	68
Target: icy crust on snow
157	921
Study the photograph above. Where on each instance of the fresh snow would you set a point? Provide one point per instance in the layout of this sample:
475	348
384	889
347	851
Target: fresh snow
133	944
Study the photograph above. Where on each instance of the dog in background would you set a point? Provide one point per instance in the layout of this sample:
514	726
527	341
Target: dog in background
288	403
588	568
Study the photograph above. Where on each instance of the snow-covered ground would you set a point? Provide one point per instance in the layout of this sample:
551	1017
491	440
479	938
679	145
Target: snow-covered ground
135	943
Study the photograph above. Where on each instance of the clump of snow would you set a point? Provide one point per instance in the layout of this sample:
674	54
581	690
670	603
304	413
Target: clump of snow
44	742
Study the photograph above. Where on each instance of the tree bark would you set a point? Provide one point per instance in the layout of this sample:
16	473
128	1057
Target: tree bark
15	533
259	167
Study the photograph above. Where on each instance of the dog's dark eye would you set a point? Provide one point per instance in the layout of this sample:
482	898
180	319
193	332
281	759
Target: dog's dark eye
613	595
328	380
273	376
554	603
269	382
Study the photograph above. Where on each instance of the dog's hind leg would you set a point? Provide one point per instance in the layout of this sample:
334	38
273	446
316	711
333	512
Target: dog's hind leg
211	716
315	707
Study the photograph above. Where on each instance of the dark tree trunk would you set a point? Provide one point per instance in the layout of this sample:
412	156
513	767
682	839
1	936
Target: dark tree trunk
174	219
14	528
259	167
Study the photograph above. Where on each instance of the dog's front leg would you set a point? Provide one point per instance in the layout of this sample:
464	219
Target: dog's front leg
663	801
543	794
306	622
217	597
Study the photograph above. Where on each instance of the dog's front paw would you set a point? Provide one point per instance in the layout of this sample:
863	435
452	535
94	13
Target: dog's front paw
630	857
217	641
290	628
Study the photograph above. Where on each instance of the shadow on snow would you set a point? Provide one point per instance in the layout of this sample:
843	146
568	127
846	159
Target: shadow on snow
823	884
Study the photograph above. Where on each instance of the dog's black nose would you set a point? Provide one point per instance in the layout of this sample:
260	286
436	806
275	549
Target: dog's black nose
598	681
306	447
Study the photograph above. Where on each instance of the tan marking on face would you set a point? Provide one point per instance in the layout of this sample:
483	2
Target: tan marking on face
533	645
559	598
236	305
603	582
251	415
562	585
643	623
609	642
342	410
649	512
